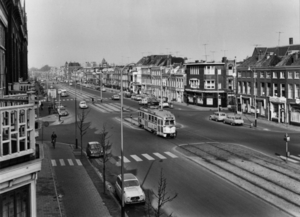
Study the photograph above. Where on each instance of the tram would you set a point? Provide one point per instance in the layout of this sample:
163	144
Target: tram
159	122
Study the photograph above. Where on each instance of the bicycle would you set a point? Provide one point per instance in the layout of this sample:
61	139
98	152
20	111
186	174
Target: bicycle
53	143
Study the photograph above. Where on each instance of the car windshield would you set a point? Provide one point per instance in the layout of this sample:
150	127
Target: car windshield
131	183
94	146
238	118
82	102
62	109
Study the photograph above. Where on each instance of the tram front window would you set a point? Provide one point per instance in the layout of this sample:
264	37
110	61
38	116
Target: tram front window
169	122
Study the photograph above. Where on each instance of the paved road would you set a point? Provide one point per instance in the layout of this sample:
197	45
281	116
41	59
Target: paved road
200	192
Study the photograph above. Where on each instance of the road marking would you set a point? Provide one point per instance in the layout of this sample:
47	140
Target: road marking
98	106
159	155
70	162
171	155
111	107
78	162
295	157
62	163
148	157
136	158
288	159
125	159
53	162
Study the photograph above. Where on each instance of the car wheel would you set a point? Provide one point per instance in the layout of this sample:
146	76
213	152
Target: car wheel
232	124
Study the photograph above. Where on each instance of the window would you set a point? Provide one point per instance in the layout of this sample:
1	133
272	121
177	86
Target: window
239	87
282	90
262	89
194	83
274	89
290	75
290	91
296	93
268	75
248	88
262	75
296	75
255	74
282	75
209	84
239	74
268	89
274	74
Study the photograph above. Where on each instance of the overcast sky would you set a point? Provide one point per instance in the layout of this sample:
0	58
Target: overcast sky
123	31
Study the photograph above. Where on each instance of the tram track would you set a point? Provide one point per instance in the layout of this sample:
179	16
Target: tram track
264	176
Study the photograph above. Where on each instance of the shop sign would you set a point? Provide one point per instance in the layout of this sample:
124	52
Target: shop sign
209	101
277	99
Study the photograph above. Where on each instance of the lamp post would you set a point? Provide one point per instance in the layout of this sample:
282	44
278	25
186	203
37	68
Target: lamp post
122	143
254	92
76	141
161	102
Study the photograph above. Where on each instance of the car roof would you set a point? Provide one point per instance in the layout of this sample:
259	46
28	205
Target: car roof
93	143
128	176
82	102
221	113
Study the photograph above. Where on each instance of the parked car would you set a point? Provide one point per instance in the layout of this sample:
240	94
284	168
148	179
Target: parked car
59	91
103	89
62	111
138	98
115	97
218	116
234	120
164	105
94	149
133	96
133	193
83	105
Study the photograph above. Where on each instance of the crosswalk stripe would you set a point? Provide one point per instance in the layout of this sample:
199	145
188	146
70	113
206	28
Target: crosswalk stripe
171	155
125	159
136	158
148	157
289	159
295	157
70	162
101	108
78	162
62	162
111	107
53	162
159	155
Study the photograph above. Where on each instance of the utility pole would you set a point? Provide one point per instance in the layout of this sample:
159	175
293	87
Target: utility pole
205	52
224	52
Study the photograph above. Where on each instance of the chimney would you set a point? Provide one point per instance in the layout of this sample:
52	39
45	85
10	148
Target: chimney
291	40
224	59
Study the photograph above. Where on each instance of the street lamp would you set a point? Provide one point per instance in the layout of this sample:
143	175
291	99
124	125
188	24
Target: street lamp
122	145
76	141
254	92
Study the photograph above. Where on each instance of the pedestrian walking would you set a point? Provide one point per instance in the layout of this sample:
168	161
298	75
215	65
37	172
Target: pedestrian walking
53	139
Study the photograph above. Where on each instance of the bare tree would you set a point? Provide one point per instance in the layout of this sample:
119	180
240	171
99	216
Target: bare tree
105	144
162	196
81	126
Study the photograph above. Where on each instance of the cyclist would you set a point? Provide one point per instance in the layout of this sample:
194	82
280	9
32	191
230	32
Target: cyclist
53	139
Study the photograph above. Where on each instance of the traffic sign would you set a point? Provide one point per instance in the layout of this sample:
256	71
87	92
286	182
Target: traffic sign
46	123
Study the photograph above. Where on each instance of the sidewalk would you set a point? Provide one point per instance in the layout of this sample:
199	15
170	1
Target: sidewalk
80	197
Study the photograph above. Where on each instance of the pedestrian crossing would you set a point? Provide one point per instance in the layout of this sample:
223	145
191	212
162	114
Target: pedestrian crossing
146	157
290	158
65	162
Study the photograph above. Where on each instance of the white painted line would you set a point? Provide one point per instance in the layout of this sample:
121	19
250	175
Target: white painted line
99	108
159	155
98	161
148	157
62	163
171	155
289	159
53	162
111	107
295	157
70	162
136	158
125	159
78	162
